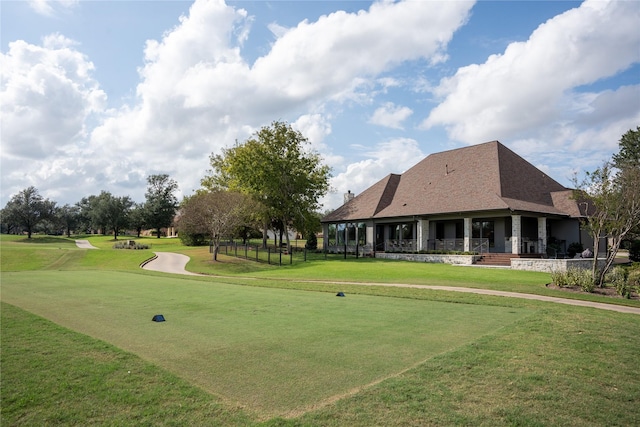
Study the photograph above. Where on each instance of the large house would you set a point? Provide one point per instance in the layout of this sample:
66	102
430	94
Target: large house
483	198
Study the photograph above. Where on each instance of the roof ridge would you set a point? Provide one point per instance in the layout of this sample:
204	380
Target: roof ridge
389	192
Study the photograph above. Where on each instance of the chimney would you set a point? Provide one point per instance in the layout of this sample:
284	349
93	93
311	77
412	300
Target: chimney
348	196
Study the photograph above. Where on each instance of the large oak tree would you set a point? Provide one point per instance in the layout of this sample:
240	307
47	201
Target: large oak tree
27	209
161	203
278	168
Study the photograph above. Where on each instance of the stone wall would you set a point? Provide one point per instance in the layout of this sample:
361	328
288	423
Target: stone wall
550	265
446	259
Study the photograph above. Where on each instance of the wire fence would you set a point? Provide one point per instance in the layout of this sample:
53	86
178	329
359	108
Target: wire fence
274	255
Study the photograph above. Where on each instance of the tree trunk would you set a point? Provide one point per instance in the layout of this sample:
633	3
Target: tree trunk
594	265
158	232
265	229
286	233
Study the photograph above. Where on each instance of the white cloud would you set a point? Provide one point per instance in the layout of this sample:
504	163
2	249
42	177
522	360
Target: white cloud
47	95
390	115
49	7
325	56
531	84
198	94
393	156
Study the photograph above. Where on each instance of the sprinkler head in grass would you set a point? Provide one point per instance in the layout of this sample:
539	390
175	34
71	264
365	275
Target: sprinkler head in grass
158	318
340	294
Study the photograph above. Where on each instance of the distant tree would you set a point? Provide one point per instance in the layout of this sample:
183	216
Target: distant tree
116	211
27	209
278	169
68	217
615	212
92	216
629	154
106	212
216	214
628	159
161	203
137	219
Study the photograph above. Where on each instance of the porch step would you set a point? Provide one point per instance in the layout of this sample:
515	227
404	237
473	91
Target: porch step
502	259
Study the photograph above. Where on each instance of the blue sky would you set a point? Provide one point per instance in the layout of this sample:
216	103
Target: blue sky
97	95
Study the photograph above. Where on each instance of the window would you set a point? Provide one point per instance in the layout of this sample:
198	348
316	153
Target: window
483	230
331	235
351	234
340	233
362	233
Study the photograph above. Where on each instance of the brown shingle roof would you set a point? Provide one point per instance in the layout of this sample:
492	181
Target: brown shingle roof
481	177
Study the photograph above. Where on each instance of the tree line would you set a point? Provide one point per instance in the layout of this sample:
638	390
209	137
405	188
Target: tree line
28	212
272	181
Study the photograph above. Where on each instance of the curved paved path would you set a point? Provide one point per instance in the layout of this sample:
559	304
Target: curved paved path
169	262
84	244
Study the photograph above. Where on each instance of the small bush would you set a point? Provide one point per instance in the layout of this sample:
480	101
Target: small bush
312	242
193	239
574	277
633	280
617	278
559	278
130	245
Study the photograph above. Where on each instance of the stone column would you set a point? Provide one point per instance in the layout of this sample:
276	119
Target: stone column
542	234
467	234
422	234
516	233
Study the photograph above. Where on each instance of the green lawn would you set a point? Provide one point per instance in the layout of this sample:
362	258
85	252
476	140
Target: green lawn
287	351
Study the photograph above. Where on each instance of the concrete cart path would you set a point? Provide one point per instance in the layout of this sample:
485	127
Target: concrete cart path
84	244
168	262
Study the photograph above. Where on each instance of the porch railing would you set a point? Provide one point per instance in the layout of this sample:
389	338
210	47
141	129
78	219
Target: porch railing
445	245
402	245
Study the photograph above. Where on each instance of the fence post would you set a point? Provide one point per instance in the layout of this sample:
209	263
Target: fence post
305	254
246	251
256	253
290	257
268	255
280	252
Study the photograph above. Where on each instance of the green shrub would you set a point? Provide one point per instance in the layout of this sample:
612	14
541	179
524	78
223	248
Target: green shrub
633	279
617	277
312	242
559	278
193	239
574	277
130	244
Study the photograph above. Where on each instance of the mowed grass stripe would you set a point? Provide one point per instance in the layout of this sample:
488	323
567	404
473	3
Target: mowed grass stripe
273	351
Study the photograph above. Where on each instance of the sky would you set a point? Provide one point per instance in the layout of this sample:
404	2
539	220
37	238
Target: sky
99	95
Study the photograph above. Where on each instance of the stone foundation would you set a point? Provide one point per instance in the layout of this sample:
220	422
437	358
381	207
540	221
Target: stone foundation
551	265
435	258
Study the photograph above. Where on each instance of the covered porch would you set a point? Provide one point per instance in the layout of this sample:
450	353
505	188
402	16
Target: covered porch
514	234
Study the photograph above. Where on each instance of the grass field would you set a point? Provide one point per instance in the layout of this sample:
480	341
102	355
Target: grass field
79	348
